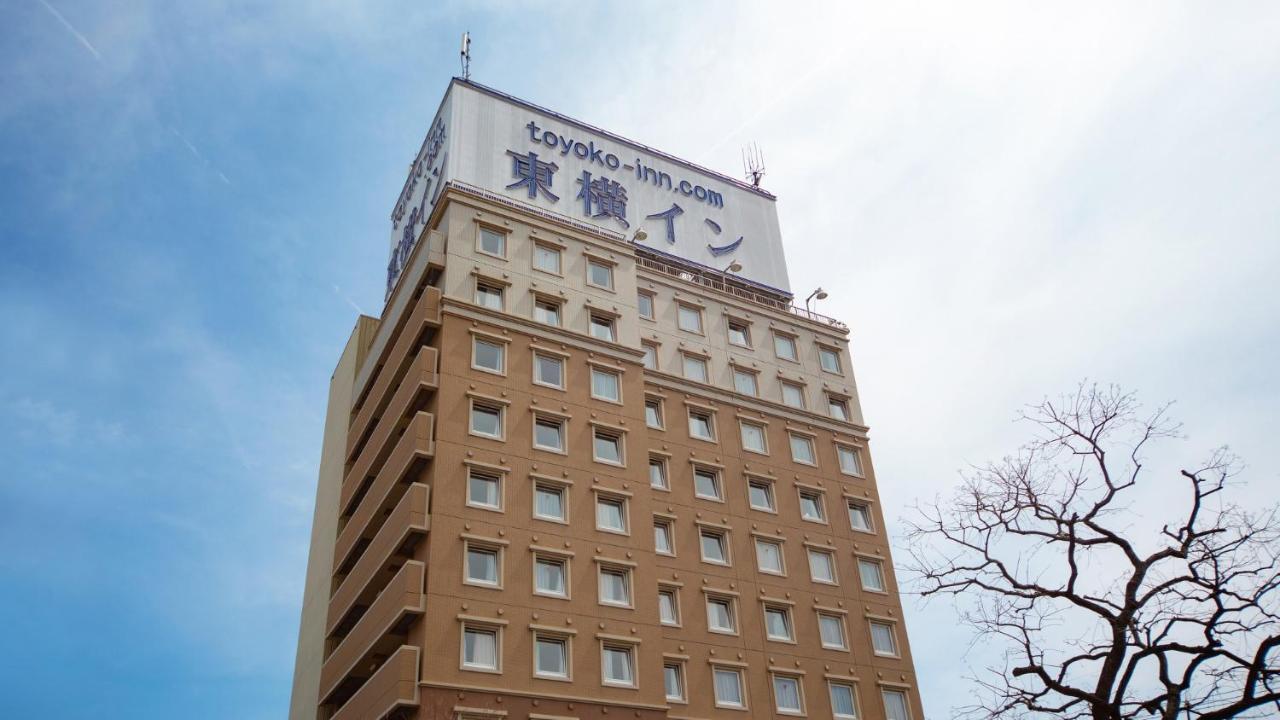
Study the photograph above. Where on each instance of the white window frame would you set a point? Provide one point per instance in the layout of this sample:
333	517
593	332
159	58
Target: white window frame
550	558
878	565
549	486
711	423
751	375
558	421
788	620
623	510
600	319
669	527
893	637
853	699
870	529
503	238
820	499
480	546
628	585
476	342
682	696
595	262
698	361
798	387
844	631
480	628
795	348
906	701
810	552
487	405
746	332
782	556
774	677
540	356
723	535
770	490
806	441
855	453
559	255
653	304
548	302
681	309
659	413
666	477
630	649
487	474
731	611
617	379
620	437
674	592
492	287
565	641
834	353
717	483
742	687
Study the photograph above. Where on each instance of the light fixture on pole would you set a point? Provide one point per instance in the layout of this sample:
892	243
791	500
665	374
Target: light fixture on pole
820	294
733	267
640	235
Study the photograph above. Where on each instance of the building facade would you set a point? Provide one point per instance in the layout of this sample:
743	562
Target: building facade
576	470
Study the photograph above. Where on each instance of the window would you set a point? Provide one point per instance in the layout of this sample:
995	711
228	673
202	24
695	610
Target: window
600	274
792	394
548	370
882	638
744	381
802	449
739	333
615	586
662	543
843	706
822	566
753	437
549	576
784	346
860	516
769	556
811	506
490	356
872	574
895	705
617	665
829	359
720	615
550	656
673	681
644	305
479	648
850	460
689	318
548	501
548	433
715	548
653	413
831	631
658	473
489	295
486	420
837	407
603	327
607	446
482	565
611	514
606	385
760	495
786	694
669	606
650	359
777	623
546	311
706	484
701	426
727	683
695	368
546	258
493	242
484	490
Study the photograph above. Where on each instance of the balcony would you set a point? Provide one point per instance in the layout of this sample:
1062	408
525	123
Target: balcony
394	685
416	442
390	548
378	633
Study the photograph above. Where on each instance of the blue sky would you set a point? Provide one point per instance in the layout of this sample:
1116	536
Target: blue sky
194	205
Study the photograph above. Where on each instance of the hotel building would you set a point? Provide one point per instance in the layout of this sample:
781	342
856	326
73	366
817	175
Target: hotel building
592	461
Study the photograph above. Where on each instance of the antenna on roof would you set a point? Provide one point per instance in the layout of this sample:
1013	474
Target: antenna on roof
753	164
466	55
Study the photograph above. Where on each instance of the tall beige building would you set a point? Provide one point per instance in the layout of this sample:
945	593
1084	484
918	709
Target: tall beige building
592	462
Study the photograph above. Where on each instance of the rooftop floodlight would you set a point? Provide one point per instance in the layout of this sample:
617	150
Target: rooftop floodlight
640	235
734	266
819	294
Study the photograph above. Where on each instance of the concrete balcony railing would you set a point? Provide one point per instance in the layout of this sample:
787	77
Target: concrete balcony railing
378	633
417	442
394	685
419	377
425	314
407	524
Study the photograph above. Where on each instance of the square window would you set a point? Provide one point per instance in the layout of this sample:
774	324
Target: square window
551	657
786	694
618	665
739	333
599	274
829	359
549	576
753	437
843	706
793	395
644	305
850	460
615	586
769	556
658	473
662	543
695	368
715	547
706	484
822	566
548	433
831	631
838	407
546	258
611	514
689	318
777	623
872	574
895	705
546	312
548	502
669	606
603	327
784	346
727	684
650	359
802	449
486	420
548	370
482	565
701	425
606	385
653	413
812	507
479	648
860	516
744	381
493	242
607	446
882	639
673	681
760	495
490	356
489	295
484	490
720	615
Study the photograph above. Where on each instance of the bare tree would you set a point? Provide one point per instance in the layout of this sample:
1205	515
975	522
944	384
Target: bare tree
1099	615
